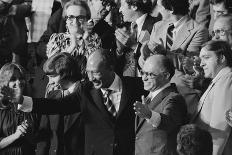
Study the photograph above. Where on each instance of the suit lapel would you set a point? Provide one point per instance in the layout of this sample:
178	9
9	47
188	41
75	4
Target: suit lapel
124	99
163	33
183	34
156	101
98	100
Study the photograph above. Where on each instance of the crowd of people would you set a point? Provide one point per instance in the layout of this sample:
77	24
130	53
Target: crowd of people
107	77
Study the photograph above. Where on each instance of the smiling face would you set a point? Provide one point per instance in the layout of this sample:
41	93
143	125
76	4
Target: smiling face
98	72
223	30
17	81
210	62
127	11
76	19
153	75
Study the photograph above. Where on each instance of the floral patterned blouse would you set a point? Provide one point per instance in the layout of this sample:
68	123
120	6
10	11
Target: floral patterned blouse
59	42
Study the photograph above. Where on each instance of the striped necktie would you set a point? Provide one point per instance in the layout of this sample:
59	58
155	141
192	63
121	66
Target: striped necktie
169	37
108	103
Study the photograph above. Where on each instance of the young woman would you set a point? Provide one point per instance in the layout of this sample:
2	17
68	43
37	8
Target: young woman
16	128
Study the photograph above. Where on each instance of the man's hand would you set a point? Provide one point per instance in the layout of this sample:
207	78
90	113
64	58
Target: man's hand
142	110
126	38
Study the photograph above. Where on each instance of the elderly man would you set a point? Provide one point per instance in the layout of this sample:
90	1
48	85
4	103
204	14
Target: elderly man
216	60
160	115
106	102
221	7
222	29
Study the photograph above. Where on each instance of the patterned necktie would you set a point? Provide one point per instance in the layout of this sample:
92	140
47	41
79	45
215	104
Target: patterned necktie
134	29
109	105
169	39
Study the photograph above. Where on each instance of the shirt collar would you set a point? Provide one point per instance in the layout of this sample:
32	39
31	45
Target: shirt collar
221	73
72	87
156	92
115	86
140	21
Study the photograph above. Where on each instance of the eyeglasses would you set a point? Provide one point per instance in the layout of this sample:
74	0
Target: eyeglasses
93	73
149	75
80	18
220	32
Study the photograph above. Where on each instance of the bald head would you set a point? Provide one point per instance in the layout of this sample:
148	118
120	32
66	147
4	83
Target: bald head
100	68
159	63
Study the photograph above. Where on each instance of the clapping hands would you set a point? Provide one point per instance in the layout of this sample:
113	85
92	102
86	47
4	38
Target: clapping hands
142	110
126	38
229	117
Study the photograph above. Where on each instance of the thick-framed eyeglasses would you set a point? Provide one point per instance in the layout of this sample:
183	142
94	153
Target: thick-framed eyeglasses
80	18
221	32
93	73
148	75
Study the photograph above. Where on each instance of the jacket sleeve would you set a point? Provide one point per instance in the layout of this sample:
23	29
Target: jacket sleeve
219	129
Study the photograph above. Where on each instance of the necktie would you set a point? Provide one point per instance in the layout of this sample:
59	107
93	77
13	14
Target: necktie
134	29
108	103
169	43
169	37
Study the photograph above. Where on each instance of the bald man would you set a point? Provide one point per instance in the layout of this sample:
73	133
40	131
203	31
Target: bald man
109	128
162	112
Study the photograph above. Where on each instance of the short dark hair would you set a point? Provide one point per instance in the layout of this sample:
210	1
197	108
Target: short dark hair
192	140
144	6
220	48
63	64
179	7
227	4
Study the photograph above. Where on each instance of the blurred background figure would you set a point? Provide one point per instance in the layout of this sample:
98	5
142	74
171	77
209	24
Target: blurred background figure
192	140
13	35
17	129
222	29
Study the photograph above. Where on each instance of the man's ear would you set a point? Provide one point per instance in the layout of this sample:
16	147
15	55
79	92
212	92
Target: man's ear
223	59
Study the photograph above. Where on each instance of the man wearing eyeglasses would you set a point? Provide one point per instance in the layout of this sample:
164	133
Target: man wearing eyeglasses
162	112
223	28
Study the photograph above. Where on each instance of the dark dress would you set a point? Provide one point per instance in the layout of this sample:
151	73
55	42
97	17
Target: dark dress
9	120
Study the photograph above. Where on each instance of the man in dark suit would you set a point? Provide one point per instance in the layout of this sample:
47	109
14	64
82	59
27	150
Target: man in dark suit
161	114
109	129
129	40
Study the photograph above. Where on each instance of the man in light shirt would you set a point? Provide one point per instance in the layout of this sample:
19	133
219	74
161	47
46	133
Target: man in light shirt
216	60
162	112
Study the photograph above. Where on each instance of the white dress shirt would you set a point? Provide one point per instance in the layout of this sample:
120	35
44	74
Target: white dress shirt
178	25
140	21
116	92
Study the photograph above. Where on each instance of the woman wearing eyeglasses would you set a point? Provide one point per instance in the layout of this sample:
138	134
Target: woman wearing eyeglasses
79	39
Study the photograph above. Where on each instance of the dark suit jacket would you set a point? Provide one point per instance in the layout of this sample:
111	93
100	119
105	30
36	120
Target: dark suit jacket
104	135
59	134
162	140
